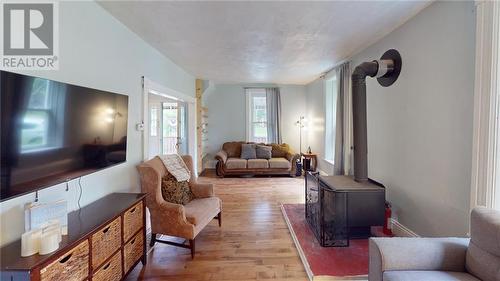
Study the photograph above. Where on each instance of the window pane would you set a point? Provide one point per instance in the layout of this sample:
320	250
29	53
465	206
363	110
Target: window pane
154	122
260	132
256	115
170	120
34	133
259	109
39	94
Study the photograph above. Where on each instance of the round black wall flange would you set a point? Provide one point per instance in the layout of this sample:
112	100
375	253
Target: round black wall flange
391	77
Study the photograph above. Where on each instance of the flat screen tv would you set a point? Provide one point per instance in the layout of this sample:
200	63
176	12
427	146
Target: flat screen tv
53	132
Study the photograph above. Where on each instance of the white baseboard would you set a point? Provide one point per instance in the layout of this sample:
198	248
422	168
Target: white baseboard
400	230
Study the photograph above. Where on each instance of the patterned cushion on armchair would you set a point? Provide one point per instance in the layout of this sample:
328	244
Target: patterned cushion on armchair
177	192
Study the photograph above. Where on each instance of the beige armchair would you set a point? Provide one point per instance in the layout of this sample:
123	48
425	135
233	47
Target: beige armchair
441	259
184	221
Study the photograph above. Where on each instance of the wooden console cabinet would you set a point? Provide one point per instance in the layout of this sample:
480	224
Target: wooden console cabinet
106	239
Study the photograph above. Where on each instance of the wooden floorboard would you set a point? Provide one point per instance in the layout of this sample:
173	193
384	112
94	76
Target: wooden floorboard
253	244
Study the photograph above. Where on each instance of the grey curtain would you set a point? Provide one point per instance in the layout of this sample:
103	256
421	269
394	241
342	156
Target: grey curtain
342	147
273	103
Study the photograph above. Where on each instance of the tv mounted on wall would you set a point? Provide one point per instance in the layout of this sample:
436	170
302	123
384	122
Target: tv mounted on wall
52	132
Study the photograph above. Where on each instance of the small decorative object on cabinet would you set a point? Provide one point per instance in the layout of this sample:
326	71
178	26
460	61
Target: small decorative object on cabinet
105	240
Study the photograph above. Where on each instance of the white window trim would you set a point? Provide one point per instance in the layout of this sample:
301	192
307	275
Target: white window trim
486	105
249	121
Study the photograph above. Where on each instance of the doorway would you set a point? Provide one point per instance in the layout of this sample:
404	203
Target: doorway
169	121
167	126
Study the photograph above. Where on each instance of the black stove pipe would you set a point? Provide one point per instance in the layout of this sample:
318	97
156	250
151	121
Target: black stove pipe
359	118
387	71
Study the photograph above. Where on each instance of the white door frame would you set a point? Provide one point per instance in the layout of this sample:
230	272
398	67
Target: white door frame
151	87
486	150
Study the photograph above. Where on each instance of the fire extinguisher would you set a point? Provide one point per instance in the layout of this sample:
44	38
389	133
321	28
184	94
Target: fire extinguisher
387	223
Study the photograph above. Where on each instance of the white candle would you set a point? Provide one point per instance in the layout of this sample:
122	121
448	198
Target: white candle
49	242
30	242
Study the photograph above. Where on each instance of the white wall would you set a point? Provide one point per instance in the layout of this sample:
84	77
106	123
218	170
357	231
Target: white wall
99	52
226	114
420	128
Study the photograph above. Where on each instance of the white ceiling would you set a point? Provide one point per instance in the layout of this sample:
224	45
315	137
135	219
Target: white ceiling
261	42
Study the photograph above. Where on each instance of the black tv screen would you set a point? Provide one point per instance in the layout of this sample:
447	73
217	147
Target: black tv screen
52	132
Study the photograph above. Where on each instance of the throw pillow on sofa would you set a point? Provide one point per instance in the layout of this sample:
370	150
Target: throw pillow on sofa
280	150
177	192
264	151
248	151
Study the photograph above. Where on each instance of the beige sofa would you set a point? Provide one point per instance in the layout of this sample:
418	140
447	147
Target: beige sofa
441	259
171	219
229	161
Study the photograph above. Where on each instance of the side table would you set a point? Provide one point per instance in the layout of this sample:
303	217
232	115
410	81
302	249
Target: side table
310	161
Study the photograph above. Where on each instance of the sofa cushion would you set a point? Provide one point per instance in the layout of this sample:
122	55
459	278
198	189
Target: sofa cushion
248	151
280	150
203	209
257	164
236	163
423	275
264	151
279	163
177	192
233	149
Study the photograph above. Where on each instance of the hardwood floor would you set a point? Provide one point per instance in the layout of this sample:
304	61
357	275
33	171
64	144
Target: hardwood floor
253	244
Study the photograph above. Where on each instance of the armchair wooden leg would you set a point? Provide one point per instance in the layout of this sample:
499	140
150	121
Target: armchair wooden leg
192	247
153	239
219	217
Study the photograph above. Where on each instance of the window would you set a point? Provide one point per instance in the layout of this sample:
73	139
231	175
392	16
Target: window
42	123
169	127
36	121
330	117
154	121
256	115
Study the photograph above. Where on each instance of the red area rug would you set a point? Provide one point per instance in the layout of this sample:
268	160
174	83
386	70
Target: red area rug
325	263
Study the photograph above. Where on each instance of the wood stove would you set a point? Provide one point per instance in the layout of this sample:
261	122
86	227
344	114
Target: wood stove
339	208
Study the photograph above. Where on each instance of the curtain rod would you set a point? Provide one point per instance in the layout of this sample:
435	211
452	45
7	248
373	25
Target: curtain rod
258	87
333	68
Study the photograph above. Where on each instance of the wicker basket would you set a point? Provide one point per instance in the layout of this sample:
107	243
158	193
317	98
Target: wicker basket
72	266
132	221
111	271
105	242
133	250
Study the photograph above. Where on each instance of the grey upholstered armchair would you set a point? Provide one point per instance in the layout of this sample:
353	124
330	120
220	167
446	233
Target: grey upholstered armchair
441	259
